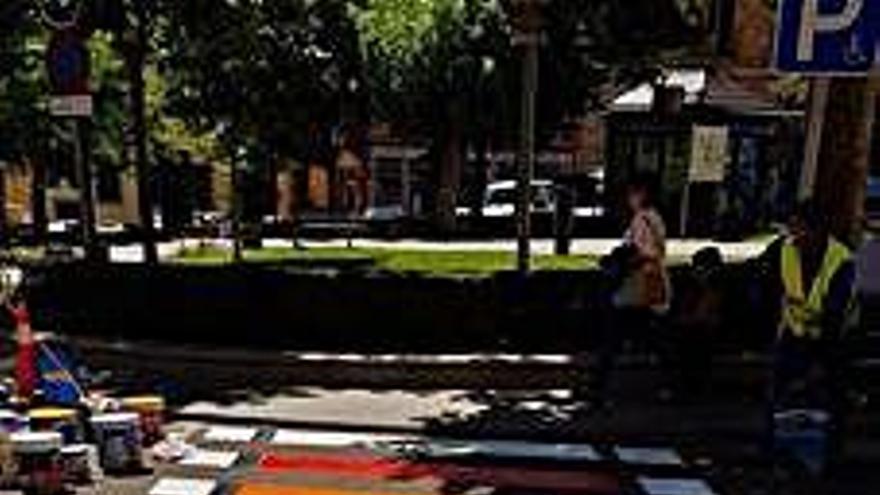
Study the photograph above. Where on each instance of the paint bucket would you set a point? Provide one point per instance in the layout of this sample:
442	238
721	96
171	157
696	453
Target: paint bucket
64	421
119	441
151	411
12	422
8	464
39	461
80	464
5	395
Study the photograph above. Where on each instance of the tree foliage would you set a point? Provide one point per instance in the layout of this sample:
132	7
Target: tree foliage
422	53
260	72
22	82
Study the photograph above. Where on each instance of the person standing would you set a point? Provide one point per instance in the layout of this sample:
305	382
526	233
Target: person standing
696	321
641	289
646	287
815	279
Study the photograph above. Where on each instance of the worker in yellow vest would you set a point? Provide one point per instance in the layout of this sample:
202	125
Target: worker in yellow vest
816	281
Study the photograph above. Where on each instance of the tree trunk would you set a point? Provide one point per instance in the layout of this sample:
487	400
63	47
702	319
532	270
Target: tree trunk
38	198
139	124
4	220
845	156
450	150
481	148
237	204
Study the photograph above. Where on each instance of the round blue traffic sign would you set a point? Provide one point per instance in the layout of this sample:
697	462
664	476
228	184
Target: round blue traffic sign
68	63
60	14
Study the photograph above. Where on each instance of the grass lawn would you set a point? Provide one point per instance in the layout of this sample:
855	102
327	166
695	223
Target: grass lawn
445	263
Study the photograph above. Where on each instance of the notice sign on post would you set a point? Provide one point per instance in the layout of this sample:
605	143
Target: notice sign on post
71	106
709	154
68	64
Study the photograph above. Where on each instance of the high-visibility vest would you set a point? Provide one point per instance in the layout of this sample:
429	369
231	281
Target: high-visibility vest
802	311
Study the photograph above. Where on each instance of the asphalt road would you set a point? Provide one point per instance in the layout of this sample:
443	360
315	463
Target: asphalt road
259	459
718	434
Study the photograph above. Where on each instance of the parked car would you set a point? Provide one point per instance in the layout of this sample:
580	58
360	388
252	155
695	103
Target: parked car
501	197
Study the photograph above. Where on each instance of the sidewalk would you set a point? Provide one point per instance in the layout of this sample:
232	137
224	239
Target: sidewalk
678	249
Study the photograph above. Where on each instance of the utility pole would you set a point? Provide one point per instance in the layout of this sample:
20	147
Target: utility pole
527	38
138	108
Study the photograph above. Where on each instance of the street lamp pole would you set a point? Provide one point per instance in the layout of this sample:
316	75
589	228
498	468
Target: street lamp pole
527	38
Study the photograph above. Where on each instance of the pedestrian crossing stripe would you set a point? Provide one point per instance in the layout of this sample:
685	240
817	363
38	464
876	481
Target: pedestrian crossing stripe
183	486
305	438
380	468
671	486
230	434
270	489
439	448
210	459
648	456
512	449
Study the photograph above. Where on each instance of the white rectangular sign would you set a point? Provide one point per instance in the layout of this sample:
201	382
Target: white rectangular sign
71	106
709	154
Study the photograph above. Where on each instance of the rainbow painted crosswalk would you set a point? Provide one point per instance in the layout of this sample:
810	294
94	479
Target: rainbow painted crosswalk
265	461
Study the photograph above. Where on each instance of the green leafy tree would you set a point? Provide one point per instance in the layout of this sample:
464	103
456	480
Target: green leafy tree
260	74
24	126
448	69
30	136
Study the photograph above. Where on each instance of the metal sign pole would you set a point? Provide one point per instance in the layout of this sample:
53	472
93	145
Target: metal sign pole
818	104
82	137
684	214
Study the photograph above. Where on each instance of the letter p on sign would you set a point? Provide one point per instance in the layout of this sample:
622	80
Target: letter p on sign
814	22
830	37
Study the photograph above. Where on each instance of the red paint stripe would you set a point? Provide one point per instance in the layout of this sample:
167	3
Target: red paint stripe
359	466
264	489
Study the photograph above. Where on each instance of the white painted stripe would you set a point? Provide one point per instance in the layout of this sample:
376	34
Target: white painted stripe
665	486
305	438
437	447
210	459
428	358
648	456
230	434
183	486
512	449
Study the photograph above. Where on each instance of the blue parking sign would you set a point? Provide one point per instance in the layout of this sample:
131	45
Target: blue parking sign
833	37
